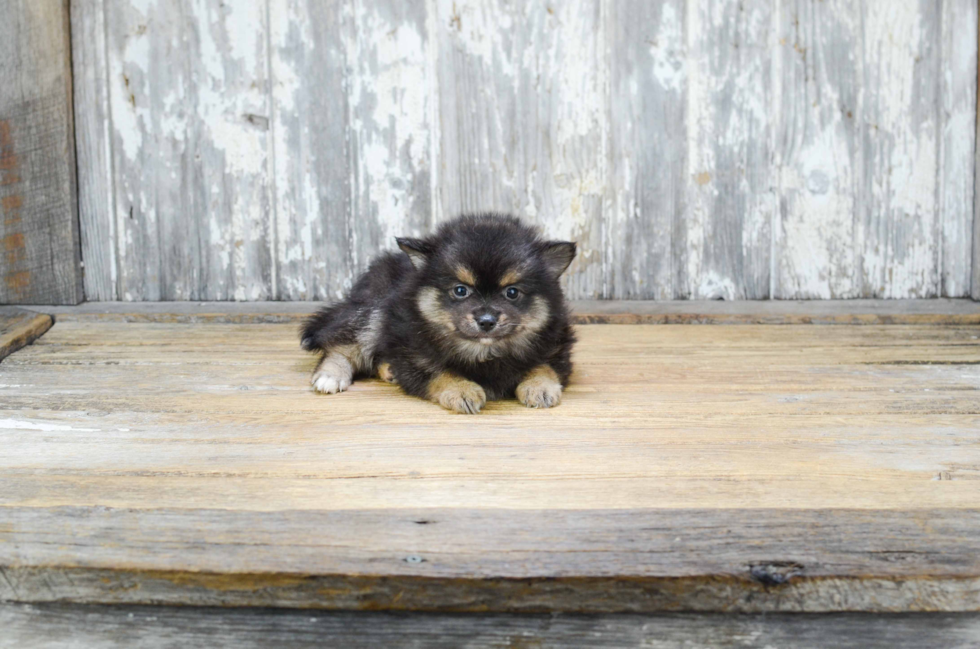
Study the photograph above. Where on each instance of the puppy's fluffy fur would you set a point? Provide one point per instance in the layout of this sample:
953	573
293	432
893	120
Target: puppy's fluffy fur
472	313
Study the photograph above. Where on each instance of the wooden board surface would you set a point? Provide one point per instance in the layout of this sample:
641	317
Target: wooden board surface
934	311
784	149
753	468
19	327
105	627
39	247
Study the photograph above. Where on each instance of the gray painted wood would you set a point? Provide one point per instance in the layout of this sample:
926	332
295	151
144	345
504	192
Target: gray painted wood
39	249
188	95
779	148
162	627
523	116
932	311
723	244
958	133
647	157
93	145
312	158
504	560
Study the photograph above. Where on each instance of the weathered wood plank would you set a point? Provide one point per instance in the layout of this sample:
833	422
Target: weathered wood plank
93	137
818	150
106	627
522	114
939	311
309	43
637	561
38	205
899	225
188	95
958	142
787	149
722	244
19	327
647	148
975	272
390	92
688	468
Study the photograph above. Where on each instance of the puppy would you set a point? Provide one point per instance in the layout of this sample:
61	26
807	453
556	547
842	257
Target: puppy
472	313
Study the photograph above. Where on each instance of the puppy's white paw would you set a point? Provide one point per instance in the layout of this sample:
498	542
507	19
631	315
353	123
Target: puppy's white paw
333	374
540	389
328	383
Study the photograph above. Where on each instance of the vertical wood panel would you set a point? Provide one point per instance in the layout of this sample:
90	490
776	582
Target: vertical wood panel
312	149
647	147
93	143
523	122
899	233
723	242
190	111
957	116
39	250
389	95
817	149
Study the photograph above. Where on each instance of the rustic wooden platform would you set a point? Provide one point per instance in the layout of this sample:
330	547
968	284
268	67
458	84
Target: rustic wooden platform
732	469
56	626
20	327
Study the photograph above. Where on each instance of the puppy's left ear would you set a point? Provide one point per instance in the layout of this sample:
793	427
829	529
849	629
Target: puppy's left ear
557	256
418	250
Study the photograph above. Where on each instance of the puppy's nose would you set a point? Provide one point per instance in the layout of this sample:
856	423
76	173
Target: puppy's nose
486	322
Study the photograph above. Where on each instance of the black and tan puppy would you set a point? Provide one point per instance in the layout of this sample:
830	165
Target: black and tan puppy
471	313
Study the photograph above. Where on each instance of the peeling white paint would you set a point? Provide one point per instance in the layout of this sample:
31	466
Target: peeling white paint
271	149
43	426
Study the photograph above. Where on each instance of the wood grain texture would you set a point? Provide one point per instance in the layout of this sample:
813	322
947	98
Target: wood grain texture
523	117
648	164
312	151
93	137
39	248
188	96
19	327
938	311
724	242
109	627
751	468
958	139
782	149
975	273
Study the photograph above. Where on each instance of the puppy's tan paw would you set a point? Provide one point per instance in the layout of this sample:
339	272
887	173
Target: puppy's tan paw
458	395
385	373
540	388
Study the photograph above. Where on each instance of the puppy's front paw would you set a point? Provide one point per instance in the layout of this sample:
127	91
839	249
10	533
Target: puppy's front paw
329	383
458	395
540	388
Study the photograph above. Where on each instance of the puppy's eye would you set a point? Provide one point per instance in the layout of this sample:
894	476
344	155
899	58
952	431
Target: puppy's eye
512	293
460	291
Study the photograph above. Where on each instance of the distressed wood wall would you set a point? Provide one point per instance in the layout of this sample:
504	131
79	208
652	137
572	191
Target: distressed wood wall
695	149
39	238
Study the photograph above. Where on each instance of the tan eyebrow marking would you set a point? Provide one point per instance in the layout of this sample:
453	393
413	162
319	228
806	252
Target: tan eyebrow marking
465	275
510	277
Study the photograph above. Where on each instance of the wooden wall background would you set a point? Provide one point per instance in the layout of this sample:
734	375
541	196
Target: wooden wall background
266	149
39	238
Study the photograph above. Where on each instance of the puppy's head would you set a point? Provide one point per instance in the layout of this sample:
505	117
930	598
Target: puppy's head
487	284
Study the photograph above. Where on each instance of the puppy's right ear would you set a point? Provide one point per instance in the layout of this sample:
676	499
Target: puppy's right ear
418	251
